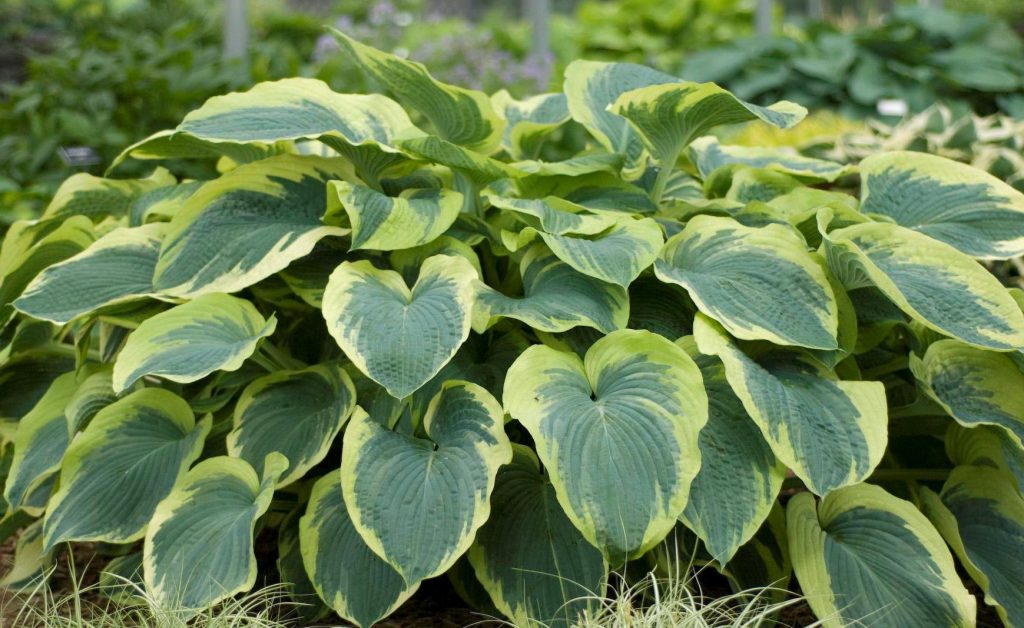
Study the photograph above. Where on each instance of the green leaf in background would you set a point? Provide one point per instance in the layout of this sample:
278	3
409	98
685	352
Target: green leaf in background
668	117
617	433
831	433
759	283
980	513
865	557
930	281
355	582
529	122
387	223
449	475
125	462
708	155
295	413
555	298
39	444
398	337
190	341
975	386
116	268
591	87
739	478
199	544
533	562
246	225
952	202
461	116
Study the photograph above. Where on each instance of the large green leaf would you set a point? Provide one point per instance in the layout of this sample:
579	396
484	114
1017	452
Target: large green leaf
31	564
975	386
617	432
591	87
423	528
96	198
40	443
866	558
125	462
356	583
533	562
739	477
192	340
116	268
980	513
398	337
199	544
760	283
668	117
246	225
246	125
461	116
950	201
930	281
296	413
708	155
616	255
556	215
830	432
555	298
386	223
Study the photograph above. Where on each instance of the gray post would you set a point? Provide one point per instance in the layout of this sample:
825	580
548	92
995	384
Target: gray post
815	9
236	30
538	12
763	17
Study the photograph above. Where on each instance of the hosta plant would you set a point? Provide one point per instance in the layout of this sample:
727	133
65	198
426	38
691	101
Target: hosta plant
394	340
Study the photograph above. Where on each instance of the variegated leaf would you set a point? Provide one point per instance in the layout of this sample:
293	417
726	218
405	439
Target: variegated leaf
386	223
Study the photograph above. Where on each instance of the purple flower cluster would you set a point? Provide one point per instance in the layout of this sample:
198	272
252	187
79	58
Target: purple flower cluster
461	53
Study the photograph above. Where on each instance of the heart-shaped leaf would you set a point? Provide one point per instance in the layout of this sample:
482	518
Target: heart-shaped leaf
617	433
398	337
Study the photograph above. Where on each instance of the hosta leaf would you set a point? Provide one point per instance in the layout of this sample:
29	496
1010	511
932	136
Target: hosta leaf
387	223
480	168
116	268
759	283
530	121
31	563
748	185
947	200
591	87
461	116
533	562
708	155
125	462
423	529
40	443
296	413
668	117
975	386
739	477
617	433
867	558
95	198
617	255
555	215
25	379
980	513
246	225
68	239
930	281
160	204
292	570
199	544
830	432
95	391
356	583
986	447
398	337
555	298
192	340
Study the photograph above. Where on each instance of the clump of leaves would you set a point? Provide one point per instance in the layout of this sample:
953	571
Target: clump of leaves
391	335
